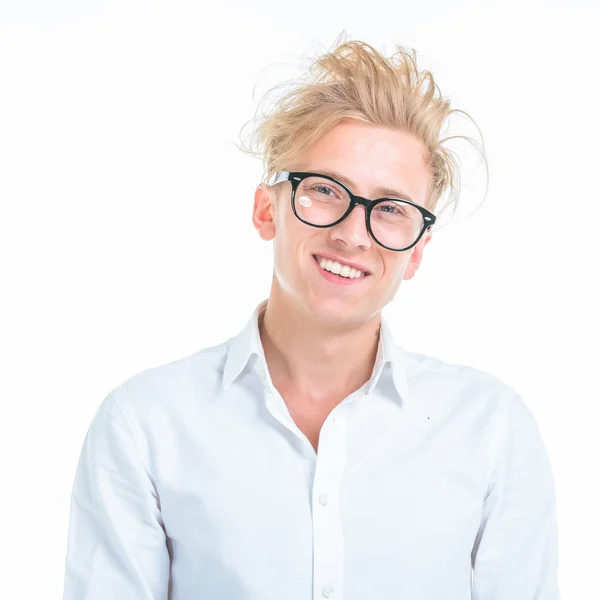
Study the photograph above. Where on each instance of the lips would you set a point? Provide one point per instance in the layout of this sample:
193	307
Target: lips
329	274
342	261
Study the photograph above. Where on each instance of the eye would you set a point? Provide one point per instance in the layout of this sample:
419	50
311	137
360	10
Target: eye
390	208
320	187
398	209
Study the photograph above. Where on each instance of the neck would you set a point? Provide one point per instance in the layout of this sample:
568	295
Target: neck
316	359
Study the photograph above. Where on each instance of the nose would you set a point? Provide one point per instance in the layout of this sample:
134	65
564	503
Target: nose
352	231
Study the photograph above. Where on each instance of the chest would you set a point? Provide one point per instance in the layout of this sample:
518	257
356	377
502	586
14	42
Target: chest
403	506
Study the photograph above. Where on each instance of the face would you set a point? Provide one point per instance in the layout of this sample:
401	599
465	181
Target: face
368	157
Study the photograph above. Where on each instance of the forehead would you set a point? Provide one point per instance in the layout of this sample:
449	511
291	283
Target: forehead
372	160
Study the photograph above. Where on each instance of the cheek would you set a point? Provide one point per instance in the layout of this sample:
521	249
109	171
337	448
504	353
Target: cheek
394	269
291	249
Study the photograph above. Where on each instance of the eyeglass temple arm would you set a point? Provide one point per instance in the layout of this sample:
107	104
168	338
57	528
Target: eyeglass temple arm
278	176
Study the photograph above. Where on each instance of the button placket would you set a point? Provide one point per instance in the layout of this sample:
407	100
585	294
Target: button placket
328	544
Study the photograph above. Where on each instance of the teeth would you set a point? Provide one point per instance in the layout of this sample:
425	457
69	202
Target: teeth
339	269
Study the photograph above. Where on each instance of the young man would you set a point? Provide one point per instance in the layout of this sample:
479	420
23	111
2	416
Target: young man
310	456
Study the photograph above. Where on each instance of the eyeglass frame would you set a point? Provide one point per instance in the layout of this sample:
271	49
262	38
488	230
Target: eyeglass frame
295	177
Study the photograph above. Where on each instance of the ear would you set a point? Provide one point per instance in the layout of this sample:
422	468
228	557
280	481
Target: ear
416	256
263	211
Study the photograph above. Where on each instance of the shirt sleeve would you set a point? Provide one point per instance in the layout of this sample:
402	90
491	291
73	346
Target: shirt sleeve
116	541
515	555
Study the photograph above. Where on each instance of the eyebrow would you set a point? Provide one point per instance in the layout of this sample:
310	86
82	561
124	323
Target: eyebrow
385	192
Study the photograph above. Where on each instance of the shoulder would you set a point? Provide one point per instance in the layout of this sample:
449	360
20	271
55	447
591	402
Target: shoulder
153	392
433	380
424	367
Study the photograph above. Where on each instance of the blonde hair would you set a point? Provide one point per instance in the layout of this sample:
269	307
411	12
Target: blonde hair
354	80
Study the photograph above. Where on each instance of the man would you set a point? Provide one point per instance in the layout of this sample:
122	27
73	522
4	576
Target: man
310	456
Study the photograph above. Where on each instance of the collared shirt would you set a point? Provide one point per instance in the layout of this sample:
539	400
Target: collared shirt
431	482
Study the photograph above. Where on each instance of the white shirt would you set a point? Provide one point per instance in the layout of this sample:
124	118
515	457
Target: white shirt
431	482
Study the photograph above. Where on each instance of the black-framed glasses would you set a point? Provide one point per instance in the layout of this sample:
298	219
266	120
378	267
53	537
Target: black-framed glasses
321	201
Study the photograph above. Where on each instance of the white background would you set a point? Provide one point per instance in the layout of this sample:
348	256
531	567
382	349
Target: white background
118	125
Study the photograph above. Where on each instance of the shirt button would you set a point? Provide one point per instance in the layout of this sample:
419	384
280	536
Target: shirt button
323	499
328	591
263	375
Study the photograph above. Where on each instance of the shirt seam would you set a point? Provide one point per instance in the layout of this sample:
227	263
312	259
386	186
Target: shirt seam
135	443
501	441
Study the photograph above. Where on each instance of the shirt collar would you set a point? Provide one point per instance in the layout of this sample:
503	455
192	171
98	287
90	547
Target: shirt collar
247	345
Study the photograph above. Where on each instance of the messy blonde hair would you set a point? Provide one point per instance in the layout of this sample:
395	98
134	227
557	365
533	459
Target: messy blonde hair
354	80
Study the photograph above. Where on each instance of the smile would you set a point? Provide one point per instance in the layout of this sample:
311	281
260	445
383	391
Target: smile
345	275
